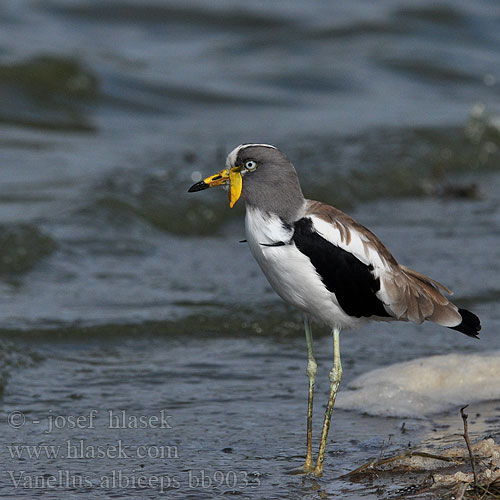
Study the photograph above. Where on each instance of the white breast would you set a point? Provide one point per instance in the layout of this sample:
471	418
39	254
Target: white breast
290	272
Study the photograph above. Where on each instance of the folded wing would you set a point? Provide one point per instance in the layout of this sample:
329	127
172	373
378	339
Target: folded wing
373	278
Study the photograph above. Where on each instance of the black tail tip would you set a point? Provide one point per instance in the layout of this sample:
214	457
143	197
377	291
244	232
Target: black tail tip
470	325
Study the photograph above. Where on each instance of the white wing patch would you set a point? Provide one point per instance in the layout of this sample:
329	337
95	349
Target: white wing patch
352	241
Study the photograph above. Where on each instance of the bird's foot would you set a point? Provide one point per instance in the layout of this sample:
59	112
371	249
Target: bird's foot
318	472
307	468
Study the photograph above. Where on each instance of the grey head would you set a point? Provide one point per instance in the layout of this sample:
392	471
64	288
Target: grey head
270	182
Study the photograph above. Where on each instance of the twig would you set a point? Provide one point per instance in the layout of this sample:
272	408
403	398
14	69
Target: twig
467	442
384	447
491	493
461	491
407	454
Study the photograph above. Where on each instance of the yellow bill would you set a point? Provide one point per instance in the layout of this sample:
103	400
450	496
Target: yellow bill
232	176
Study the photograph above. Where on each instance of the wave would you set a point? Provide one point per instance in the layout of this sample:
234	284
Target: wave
12	357
22	246
47	91
271	321
199	16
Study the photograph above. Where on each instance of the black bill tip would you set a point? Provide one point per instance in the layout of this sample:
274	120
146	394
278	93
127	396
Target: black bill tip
199	186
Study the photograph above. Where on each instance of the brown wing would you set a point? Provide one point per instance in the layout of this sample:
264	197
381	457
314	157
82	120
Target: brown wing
407	294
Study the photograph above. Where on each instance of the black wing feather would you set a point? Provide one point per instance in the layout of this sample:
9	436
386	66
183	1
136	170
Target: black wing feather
343	274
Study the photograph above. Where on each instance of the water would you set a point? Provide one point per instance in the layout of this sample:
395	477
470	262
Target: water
122	292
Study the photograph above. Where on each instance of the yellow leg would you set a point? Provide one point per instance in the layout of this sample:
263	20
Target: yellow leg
311	375
335	376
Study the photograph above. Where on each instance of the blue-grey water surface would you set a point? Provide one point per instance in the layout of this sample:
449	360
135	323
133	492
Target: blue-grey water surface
122	293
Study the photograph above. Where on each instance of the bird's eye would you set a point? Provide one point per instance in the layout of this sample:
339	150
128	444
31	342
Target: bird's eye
250	165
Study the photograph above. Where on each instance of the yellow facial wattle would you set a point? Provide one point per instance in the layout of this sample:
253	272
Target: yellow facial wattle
236	180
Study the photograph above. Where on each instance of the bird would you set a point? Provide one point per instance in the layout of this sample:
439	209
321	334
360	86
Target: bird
325	263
